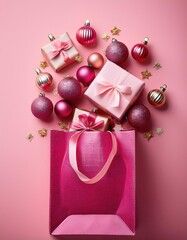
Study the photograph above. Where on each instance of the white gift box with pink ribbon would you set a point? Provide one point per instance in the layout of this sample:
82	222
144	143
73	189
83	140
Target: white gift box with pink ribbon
114	90
60	52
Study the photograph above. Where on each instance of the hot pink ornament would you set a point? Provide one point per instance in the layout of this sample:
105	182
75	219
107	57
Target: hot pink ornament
139	117
86	35
63	109
140	51
42	107
69	88
85	75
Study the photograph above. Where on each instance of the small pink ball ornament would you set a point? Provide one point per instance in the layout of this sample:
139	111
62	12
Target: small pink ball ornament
44	80
42	107
95	60
63	109
69	88
140	51
86	35
85	75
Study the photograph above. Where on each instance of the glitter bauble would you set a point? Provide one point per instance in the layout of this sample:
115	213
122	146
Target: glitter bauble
63	109
86	35
140	51
42	107
117	52
85	75
157	97
95	60
44	80
69	88
139	117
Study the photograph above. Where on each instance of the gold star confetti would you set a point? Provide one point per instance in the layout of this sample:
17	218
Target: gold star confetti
78	58
148	135
43	64
55	92
104	51
29	137
64	125
146	74
115	31
42	132
157	65
105	36
159	131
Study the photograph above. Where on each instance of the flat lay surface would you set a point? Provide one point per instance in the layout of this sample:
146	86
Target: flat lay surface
161	161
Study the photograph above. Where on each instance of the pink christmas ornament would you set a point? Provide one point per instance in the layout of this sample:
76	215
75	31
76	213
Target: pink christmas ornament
95	60
85	75
140	51
86	35
44	80
63	109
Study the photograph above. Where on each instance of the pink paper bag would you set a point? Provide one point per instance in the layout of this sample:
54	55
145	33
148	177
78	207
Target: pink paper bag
93	194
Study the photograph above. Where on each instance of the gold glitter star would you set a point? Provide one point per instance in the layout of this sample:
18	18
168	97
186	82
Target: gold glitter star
64	125
105	36
157	65
42	132
148	135
115	31
78	58
55	92
29	137
43	64
159	131
146	74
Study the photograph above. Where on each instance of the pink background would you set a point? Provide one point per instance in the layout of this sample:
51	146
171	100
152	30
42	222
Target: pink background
161	162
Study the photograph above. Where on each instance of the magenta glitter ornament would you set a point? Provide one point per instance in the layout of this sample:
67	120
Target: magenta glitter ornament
86	35
42	107
44	80
140	51
117	52
69	88
139	117
85	75
63	109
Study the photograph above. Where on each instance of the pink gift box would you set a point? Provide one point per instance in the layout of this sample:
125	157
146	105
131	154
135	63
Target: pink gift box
60	52
98	118
114	90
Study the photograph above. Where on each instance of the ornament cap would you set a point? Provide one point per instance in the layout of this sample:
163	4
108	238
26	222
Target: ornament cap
145	41
87	23
95	110
38	71
163	88
51	37
41	95
114	40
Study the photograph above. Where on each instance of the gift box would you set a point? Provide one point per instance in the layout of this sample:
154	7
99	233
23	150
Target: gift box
114	90
84	119
60	52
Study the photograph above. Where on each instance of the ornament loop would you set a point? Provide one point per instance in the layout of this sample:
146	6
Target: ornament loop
38	71
163	88
87	23
114	40
51	37
145	41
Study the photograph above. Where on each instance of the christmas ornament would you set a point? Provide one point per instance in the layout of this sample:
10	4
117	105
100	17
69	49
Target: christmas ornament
157	65
42	107
115	31
148	135
85	75
140	51
95	60
139	117
157	97
117	52
44	80
63	109
69	88
146	74
42	132
86	35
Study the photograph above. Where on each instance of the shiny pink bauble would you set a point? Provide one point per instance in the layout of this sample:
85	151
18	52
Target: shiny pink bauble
42	107
85	75
139	117
70	89
117	52
63	109
86	35
140	52
95	60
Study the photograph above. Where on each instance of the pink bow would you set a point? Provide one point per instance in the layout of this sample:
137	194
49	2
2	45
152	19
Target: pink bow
60	48
87	122
112	91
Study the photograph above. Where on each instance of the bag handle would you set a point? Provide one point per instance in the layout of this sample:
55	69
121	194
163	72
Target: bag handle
73	158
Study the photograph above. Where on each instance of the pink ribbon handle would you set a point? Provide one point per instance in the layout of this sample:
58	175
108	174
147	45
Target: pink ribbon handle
73	158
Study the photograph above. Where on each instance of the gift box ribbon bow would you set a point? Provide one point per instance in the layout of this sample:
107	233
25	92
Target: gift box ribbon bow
87	122
112	91
60	48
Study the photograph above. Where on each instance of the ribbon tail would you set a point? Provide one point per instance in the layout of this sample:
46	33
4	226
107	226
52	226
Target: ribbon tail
115	99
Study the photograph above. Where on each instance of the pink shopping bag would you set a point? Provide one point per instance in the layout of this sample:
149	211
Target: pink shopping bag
92	183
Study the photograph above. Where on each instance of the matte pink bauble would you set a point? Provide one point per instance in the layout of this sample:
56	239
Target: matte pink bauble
139	117
85	75
42	107
95	60
117	52
69	88
63	109
86	35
